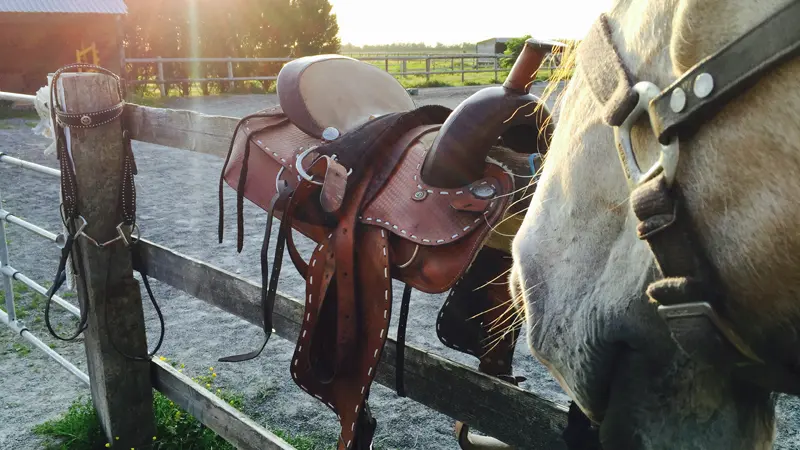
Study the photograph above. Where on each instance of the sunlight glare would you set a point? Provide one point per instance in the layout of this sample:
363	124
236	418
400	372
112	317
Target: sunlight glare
455	21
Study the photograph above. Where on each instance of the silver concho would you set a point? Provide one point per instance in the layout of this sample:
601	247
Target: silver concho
330	134
483	191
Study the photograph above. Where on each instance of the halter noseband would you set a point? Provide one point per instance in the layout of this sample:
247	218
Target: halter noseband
690	295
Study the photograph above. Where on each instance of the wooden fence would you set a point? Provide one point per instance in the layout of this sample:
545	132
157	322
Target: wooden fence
497	408
460	63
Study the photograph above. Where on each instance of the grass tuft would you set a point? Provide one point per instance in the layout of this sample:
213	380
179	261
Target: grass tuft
79	428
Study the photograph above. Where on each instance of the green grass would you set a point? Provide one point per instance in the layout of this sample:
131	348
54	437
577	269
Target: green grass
79	428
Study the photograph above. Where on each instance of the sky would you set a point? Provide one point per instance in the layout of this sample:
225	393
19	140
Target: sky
455	21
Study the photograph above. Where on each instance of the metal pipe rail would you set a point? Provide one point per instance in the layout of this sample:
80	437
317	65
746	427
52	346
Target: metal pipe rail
10	218
16	275
29	165
22	98
6	269
28	336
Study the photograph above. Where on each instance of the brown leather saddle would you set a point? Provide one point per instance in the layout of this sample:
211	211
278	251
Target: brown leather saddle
387	191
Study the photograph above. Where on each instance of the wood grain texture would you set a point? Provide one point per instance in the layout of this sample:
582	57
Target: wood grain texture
497	408
182	129
121	389
228	422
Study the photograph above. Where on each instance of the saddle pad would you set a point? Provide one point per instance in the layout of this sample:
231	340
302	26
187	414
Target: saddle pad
477	318
321	91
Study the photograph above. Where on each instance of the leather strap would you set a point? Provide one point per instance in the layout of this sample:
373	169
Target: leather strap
69	186
690	295
243	174
268	294
733	69
401	342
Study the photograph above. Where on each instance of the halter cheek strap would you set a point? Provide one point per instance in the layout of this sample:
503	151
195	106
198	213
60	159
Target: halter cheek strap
690	295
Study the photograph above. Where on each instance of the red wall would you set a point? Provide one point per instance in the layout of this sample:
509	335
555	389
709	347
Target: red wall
34	45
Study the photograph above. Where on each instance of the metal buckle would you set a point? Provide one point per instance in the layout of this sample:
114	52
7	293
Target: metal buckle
278	179
668	156
301	171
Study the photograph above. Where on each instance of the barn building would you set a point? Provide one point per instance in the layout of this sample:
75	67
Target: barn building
489	46
37	37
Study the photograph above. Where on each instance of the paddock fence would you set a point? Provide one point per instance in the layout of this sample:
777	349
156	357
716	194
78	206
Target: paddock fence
396	65
497	408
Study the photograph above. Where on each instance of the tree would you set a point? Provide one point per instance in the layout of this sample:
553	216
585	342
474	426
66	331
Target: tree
316	30
237	28
513	48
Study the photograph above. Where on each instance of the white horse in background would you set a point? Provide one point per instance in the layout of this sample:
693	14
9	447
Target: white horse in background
580	272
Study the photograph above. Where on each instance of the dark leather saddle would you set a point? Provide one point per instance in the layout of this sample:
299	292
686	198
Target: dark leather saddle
387	191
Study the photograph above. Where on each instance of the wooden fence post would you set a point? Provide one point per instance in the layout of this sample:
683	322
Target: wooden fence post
161	85
428	68
495	68
463	70
121	388
387	64
405	68
231	83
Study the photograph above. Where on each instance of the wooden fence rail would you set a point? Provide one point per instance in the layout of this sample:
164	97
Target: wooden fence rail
483	63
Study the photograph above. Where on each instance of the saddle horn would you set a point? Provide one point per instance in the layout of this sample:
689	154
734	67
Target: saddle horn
508	112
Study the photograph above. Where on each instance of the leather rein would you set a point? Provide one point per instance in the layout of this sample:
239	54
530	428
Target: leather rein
690	295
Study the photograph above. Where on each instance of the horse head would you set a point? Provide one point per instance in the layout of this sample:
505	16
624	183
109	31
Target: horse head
585	274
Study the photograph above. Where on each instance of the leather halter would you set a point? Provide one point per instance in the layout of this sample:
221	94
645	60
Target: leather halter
690	295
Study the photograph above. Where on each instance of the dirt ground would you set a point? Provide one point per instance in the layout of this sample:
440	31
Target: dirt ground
177	196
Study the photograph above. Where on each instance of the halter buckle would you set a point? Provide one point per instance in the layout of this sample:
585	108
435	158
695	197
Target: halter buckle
680	311
668	155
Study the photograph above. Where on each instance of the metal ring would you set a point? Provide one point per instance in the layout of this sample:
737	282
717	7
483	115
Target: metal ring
413	257
668	154
301	171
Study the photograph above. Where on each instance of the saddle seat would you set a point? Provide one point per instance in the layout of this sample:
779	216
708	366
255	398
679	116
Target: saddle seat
333	91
